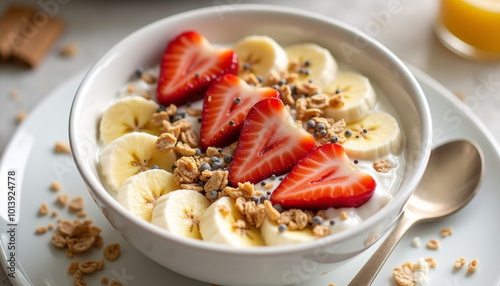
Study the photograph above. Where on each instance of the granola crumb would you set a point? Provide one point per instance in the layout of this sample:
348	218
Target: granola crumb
268	186
21	115
382	166
104	280
130	88
433	244
63	199
55	186
87	267
76	204
112	251
148	78
69	50
41	230
404	274
431	262
78	279
44	209
81	214
459	263
54	214
62	147
73	267
472	267
50	226
343	215
447	231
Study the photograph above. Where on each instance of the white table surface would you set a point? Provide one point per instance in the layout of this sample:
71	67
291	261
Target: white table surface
97	25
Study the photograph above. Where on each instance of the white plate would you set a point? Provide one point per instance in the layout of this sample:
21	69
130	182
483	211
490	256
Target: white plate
30	153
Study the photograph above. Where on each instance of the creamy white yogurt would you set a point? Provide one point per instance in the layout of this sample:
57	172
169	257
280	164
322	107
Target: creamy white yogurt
387	183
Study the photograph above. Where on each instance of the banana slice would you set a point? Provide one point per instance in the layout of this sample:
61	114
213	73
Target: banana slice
179	212
141	192
272	236
223	223
358	94
131	154
260	55
375	136
127	115
315	63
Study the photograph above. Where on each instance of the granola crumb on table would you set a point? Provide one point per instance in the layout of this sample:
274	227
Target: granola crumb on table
55	186
44	209
459	263
112	251
473	265
62	147
404	274
447	231
433	244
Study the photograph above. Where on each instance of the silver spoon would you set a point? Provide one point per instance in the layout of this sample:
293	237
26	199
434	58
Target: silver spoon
451	179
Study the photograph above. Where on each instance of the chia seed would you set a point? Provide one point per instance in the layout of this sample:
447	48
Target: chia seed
228	158
205	166
317	220
282	227
348	133
237	100
311	124
320	127
278	207
213	195
154	167
334	139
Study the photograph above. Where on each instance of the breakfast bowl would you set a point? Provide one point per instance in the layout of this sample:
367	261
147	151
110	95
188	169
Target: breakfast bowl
224	26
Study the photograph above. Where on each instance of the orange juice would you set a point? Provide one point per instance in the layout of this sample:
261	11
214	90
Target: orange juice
471	27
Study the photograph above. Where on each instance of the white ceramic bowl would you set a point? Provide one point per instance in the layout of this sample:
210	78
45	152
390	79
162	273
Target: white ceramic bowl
275	265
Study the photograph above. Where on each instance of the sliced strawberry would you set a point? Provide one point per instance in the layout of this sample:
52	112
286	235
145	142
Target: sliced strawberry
189	65
324	178
270	143
226	104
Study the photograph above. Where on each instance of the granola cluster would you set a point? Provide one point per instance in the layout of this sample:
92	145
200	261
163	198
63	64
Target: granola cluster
177	132
76	236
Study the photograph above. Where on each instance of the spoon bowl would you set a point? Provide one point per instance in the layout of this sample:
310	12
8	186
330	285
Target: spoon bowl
451	179
453	175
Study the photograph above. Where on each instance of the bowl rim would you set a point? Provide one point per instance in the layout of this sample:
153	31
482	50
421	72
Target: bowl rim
96	188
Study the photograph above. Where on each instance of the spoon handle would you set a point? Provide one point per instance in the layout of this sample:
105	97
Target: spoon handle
368	273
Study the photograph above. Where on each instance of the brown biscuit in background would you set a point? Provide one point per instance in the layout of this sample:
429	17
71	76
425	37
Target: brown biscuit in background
11	24
26	35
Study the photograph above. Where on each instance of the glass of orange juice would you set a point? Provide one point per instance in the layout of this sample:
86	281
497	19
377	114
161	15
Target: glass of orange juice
470	28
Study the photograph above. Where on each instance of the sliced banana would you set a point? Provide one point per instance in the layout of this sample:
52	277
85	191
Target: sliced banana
260	55
131	154
272	236
179	212
358	95
141	192
375	136
315	64
223	223
127	115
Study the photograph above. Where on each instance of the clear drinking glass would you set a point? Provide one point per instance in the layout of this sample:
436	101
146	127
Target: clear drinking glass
470	28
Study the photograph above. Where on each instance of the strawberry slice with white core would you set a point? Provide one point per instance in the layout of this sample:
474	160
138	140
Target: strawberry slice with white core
189	65
226	105
324	178
270	143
